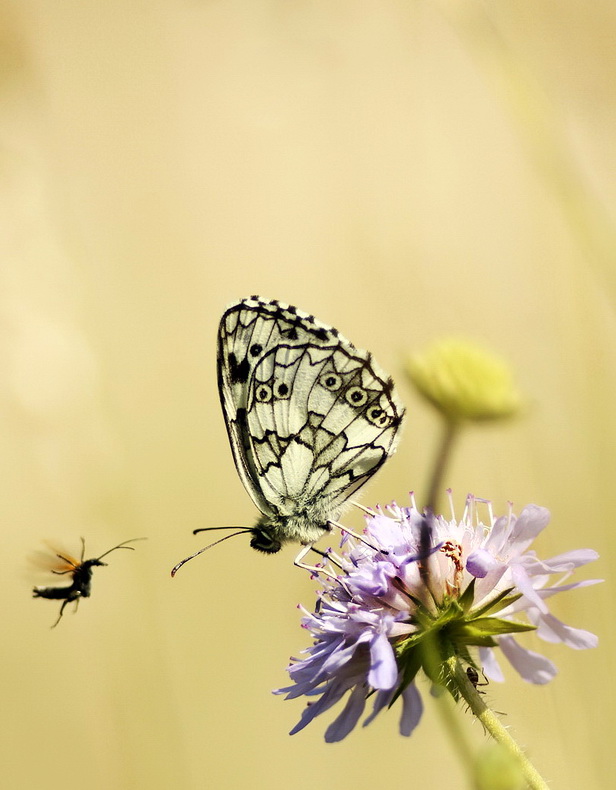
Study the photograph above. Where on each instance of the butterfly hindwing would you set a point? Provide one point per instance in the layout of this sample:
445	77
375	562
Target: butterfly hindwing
310	417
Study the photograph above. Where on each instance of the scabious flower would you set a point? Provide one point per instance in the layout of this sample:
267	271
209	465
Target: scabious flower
421	590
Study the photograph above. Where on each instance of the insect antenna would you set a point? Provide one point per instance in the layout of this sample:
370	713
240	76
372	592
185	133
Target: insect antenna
119	546
241	531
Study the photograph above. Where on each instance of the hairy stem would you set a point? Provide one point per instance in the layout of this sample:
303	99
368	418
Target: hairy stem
458	680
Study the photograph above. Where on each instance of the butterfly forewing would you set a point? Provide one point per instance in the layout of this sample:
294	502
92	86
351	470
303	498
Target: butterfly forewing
310	417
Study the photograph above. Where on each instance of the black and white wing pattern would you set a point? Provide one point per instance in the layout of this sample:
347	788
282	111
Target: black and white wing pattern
310	418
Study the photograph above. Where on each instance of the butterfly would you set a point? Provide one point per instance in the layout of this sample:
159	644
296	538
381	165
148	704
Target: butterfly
310	418
80	571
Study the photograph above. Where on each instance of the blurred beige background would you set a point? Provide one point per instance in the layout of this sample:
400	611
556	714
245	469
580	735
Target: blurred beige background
402	170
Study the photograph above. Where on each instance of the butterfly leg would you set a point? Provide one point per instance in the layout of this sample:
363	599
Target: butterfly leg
314	569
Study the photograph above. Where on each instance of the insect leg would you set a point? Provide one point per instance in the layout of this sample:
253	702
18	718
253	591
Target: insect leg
73	596
314	569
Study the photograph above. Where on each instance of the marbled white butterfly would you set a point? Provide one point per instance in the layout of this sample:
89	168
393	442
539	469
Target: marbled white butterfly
310	418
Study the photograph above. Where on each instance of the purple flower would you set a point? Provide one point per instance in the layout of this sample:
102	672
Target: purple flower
421	589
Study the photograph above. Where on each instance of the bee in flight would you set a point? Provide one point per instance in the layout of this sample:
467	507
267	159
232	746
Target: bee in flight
80	572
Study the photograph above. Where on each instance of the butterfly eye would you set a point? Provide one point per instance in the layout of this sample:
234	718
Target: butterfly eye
263	393
356	396
331	381
281	390
378	417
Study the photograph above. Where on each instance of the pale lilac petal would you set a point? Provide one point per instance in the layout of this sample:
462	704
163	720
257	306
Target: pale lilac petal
480	562
498	535
574	559
531	666
330	697
490	666
532	520
524	585
381	700
383	668
554	630
338	657
548	591
521	605
346	721
412	708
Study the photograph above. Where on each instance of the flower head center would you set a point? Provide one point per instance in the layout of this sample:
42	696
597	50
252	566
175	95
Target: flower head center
453	551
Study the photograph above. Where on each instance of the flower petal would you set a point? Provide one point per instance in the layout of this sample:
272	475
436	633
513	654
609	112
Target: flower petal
532	520
383	668
381	700
574	559
331	696
412	708
532	667
551	629
525	586
346	721
480	562
490	666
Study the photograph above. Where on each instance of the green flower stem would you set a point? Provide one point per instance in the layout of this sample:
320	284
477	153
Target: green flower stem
459	680
450	433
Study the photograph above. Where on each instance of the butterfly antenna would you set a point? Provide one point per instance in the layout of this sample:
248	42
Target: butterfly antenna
121	546
242	531
209	529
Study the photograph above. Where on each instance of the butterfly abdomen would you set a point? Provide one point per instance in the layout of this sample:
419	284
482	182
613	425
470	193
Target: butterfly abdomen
271	533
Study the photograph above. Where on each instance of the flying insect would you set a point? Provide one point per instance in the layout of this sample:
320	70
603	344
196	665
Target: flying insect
80	572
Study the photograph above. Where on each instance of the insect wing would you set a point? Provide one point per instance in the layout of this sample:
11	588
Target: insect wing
242	335
309	416
54	560
320	422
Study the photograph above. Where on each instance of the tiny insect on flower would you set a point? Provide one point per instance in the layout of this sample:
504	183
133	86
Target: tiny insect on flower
395	610
80	571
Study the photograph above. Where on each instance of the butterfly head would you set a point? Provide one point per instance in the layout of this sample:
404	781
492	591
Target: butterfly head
264	538
305	525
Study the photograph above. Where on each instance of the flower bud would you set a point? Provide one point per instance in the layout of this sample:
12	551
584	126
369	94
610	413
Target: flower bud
497	769
464	382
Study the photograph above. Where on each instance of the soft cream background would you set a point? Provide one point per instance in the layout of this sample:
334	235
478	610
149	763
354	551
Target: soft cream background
402	170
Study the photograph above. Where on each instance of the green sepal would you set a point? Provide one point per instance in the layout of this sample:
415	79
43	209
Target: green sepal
482	627
502	601
467	597
479	641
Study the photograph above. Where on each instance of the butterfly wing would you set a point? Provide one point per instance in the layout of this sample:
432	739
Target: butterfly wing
310	417
247	328
321	422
